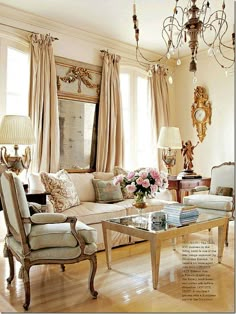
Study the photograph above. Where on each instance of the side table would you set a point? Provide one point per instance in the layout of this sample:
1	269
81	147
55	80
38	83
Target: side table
34	196
185	185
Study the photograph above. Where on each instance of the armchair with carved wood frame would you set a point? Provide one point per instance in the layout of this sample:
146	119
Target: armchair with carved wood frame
44	238
220	197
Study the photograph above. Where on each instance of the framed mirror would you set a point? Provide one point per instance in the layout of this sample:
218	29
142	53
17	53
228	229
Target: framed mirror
78	86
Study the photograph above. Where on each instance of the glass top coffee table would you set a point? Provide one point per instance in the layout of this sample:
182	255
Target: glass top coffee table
143	227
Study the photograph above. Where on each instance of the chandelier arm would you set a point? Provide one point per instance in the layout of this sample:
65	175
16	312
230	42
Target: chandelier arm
220	43
150	61
223	55
223	66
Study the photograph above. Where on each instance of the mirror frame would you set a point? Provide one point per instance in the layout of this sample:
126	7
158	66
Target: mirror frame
78	81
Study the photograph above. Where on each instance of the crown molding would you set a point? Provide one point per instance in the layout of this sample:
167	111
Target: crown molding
33	23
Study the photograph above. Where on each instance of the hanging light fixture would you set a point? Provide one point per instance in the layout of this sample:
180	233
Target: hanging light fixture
189	24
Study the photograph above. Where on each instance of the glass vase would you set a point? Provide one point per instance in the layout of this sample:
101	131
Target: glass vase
139	202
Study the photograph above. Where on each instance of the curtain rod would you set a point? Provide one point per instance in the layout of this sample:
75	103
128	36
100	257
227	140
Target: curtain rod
22	29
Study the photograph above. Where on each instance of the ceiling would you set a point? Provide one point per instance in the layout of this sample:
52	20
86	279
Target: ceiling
113	18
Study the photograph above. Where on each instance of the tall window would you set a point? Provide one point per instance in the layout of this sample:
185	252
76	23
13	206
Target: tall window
14	76
140	149
14	80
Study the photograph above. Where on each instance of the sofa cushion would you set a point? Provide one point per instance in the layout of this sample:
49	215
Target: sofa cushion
84	186
63	194
106	191
210	201
94	213
103	175
59	235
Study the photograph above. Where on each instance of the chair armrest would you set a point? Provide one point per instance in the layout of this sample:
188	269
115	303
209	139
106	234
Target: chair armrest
48	218
200	188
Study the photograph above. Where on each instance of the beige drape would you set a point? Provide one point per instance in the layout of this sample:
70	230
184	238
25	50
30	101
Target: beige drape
43	104
160	103
110	127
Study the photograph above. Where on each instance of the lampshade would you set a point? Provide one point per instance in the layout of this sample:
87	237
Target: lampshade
16	129
169	138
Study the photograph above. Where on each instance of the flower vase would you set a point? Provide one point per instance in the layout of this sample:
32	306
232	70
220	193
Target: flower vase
139	203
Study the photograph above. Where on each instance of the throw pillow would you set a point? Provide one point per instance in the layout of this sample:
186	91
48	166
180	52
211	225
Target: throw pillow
224	191
106	191
63	194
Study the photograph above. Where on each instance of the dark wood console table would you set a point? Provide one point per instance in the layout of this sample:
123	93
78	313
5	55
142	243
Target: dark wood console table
185	185
34	196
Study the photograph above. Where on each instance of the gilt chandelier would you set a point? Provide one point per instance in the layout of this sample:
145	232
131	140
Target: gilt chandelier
189	24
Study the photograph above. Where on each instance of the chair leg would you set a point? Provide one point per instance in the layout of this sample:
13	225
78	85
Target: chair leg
12	267
226	237
26	279
62	267
93	269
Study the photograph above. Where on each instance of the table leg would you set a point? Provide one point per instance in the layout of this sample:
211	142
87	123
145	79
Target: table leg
155	248
221	240
107	244
178	196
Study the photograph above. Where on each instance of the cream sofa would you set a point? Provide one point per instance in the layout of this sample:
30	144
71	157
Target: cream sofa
92	213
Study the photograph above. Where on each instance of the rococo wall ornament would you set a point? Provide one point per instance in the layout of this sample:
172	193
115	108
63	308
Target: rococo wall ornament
201	112
78	80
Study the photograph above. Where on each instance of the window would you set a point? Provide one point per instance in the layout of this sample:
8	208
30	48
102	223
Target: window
14	76
140	149
17	82
14	80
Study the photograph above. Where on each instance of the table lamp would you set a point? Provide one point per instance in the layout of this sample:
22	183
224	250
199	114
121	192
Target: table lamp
169	140
17	130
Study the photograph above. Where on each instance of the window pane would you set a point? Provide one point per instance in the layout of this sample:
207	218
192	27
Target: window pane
17	82
139	148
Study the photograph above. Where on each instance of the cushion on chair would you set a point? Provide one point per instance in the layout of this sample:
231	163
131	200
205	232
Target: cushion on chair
217	202
63	194
59	235
52	253
224	191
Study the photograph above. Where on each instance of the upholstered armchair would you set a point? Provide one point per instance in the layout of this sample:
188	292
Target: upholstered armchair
43	238
220	197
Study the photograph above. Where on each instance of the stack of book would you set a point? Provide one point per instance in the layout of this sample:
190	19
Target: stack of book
179	214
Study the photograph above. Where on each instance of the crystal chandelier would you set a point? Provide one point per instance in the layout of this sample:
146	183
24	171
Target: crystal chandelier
189	24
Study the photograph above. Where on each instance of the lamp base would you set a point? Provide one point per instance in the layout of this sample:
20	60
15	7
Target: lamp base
169	159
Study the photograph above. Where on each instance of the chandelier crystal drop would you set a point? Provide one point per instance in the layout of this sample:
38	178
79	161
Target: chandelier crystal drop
187	25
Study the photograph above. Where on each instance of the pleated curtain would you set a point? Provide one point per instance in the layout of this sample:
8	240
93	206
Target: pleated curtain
160	105
43	105
110	150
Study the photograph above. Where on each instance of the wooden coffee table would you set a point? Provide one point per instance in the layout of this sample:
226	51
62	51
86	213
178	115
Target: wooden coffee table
132	226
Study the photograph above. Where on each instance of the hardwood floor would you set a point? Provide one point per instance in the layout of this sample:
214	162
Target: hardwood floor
125	288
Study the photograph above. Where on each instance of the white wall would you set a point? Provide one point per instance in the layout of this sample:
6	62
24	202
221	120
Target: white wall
218	145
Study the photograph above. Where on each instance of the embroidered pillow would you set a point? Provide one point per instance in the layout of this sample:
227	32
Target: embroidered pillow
63	194
224	191
106	191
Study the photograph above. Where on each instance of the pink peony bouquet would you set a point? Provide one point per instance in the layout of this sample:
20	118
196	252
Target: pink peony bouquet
143	183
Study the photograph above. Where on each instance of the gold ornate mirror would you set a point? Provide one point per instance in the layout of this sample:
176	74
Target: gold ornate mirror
78	86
